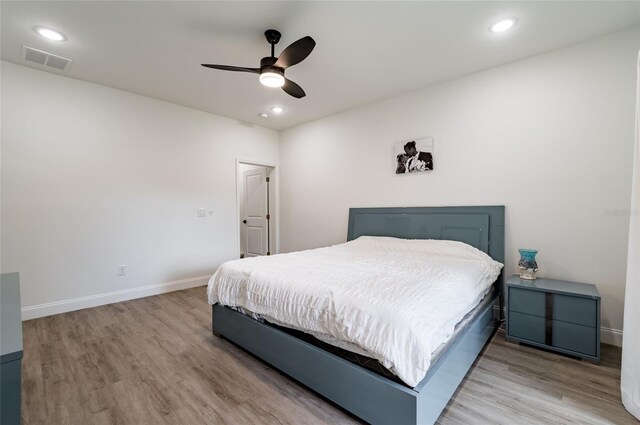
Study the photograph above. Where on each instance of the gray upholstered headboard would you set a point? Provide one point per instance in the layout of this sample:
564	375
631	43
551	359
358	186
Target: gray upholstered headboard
479	226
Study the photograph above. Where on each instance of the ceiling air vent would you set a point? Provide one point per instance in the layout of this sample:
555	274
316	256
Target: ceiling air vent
29	54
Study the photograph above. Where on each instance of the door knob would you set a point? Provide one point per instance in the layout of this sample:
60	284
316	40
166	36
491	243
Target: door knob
244	221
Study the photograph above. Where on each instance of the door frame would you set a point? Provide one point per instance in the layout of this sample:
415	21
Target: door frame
275	172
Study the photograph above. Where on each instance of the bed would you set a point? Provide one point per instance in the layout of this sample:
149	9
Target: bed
369	395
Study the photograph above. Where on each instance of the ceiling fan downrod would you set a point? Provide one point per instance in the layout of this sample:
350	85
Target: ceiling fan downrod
273	37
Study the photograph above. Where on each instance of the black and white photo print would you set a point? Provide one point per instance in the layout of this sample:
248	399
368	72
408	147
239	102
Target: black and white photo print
414	156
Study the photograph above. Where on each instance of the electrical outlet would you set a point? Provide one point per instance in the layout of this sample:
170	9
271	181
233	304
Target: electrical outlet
122	270
202	212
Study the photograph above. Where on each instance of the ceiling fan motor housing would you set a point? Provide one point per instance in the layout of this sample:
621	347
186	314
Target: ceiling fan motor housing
266	65
272	69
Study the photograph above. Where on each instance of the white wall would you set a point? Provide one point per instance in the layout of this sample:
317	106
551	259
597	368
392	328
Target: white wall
549	137
94	177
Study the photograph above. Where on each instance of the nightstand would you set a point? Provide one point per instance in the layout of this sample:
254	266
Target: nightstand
557	315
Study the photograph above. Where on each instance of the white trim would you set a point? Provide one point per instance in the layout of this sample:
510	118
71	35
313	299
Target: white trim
255	162
611	336
63	306
607	335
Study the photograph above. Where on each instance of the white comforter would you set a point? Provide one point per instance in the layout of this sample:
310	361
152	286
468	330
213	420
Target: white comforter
397	299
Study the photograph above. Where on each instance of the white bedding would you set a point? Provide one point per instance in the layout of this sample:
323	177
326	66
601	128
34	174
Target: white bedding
396	299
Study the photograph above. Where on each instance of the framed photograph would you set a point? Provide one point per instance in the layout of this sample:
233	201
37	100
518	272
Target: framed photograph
413	156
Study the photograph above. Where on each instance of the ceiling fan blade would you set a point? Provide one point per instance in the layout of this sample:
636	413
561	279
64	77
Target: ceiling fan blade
293	89
232	68
295	52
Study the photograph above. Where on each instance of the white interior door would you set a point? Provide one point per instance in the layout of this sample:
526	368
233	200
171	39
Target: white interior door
255	210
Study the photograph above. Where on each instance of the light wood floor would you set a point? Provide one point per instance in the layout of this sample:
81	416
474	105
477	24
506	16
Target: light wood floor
155	361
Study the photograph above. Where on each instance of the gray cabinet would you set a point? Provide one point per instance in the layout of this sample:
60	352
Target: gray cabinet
554	314
10	349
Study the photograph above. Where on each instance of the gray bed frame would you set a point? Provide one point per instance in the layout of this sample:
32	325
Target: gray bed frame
366	394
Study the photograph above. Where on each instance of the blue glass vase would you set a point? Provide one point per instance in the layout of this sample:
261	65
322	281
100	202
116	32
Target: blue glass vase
527	264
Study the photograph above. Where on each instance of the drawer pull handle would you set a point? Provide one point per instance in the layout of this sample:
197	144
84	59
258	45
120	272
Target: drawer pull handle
548	323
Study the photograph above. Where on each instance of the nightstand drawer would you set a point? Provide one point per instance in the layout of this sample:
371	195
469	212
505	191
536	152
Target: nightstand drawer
526	301
582	311
569	336
526	326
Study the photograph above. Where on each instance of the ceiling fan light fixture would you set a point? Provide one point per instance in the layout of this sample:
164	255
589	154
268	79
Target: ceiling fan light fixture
270	78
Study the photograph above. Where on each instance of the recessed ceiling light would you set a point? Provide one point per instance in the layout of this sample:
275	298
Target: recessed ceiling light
503	25
50	34
277	109
263	115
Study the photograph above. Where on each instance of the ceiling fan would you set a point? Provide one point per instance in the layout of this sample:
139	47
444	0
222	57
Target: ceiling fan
272	69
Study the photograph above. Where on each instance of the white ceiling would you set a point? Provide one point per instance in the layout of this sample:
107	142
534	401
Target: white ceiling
366	51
